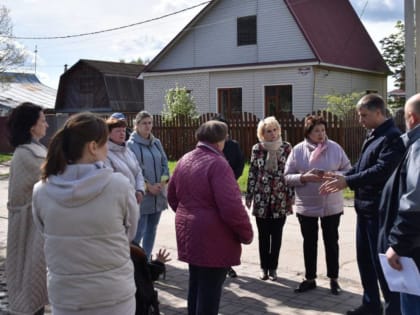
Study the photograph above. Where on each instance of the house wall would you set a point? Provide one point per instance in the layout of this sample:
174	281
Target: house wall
213	41
204	88
344	82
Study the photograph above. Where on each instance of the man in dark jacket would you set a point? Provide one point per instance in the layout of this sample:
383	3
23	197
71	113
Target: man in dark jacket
400	205
381	153
236	159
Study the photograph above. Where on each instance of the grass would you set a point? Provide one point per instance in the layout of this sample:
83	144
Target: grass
242	181
5	157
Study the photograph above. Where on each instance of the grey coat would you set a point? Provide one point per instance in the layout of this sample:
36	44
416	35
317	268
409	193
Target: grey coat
154	164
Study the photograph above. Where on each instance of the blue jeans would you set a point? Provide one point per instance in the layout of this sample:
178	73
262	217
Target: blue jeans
146	231
205	289
370	269
410	304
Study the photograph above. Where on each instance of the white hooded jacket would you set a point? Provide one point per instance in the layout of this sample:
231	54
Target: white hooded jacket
88	215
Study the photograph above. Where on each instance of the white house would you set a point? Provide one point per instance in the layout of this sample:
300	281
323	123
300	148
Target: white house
267	57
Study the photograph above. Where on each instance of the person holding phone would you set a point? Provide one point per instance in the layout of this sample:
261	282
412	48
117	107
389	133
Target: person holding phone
310	161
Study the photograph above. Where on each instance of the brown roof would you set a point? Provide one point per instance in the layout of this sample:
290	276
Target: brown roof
115	68
331	28
336	34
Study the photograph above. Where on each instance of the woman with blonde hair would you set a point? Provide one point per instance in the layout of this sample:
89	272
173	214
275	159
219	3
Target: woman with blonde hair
88	215
269	194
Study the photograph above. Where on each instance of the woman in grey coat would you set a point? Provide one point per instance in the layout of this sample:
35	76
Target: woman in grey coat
154	163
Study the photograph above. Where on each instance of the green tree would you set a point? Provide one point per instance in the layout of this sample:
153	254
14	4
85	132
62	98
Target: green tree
340	104
178	102
393	52
11	55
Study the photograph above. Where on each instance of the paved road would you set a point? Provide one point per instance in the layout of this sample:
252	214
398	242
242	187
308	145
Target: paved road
247	294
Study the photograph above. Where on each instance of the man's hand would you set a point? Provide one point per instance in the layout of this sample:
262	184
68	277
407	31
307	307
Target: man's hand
393	259
334	184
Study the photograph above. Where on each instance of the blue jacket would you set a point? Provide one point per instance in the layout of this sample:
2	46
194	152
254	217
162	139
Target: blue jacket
154	163
400	203
381	153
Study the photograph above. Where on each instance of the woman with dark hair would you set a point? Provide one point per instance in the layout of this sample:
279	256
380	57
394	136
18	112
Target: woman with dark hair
120	158
211	221
88	215
25	261
311	160
267	191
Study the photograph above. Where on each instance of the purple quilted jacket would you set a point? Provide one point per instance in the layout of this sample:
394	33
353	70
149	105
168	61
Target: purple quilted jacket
211	220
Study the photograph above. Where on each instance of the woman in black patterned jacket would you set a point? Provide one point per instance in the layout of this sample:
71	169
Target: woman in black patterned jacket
272	199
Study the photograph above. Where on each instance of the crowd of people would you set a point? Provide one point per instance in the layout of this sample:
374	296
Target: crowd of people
84	212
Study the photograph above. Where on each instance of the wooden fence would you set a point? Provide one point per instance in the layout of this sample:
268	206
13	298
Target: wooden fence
178	137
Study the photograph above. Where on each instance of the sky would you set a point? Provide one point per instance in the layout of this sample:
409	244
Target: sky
46	18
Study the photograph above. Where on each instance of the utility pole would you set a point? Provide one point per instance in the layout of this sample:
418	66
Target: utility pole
410	58
36	52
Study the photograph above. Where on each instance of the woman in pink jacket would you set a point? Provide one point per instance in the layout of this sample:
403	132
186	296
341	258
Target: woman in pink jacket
309	161
211	221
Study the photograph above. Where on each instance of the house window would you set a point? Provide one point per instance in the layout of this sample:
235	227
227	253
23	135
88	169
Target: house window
247	30
229	101
278	99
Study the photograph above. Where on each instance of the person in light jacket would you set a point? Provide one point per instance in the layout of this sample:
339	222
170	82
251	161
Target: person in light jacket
120	158
306	166
211	221
88	215
267	190
25	262
154	164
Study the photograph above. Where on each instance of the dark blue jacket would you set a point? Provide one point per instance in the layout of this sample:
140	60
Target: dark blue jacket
381	153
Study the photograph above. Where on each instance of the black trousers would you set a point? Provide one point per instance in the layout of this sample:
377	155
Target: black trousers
309	230
205	289
270	232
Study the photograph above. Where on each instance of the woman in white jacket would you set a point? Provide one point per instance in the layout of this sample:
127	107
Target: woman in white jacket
120	158
88	215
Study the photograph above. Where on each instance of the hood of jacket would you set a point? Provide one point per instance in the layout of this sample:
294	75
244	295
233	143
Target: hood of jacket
78	184
139	139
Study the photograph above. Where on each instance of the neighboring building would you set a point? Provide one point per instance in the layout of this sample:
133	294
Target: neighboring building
100	86
397	96
267	57
16	88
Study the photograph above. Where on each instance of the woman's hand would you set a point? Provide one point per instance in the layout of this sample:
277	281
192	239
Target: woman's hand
312	175
139	196
154	189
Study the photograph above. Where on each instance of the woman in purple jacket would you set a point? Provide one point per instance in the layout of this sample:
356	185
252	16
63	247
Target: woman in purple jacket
306	166
211	221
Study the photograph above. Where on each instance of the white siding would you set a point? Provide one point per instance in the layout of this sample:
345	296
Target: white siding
344	82
155	88
213	41
204	88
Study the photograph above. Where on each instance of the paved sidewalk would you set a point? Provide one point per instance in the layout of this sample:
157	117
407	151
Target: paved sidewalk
246	294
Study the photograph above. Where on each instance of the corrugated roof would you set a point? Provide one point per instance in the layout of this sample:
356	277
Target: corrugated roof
332	29
25	87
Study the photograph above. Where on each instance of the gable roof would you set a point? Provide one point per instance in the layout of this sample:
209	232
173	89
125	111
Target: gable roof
25	87
332	29
336	34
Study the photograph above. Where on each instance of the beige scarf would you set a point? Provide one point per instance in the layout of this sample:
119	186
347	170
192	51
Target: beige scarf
273	154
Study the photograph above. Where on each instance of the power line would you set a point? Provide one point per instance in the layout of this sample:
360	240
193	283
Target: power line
109	29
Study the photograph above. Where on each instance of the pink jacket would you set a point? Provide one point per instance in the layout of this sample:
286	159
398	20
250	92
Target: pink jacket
211	220
308	201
